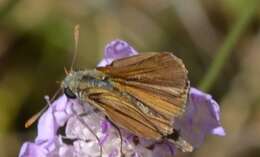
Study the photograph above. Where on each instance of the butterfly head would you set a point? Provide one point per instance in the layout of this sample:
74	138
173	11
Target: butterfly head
71	83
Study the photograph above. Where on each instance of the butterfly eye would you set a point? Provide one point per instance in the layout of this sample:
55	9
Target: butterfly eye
69	93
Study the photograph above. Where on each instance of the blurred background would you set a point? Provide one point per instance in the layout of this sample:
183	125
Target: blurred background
219	42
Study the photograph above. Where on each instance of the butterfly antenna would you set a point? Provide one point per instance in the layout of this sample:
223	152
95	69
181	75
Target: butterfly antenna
37	115
76	45
55	95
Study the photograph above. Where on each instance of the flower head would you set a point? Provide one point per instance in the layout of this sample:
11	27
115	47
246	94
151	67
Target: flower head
69	128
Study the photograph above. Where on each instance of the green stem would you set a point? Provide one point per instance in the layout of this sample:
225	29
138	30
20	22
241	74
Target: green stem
226	49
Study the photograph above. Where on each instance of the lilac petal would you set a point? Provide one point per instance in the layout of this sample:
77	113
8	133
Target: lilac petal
114	153
219	131
32	150
103	139
86	149
66	151
201	118
47	125
115	50
60	103
118	49
164	149
47	128
104	126
62	109
135	155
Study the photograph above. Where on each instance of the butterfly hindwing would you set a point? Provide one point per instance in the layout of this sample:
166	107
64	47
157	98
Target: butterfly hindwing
123	112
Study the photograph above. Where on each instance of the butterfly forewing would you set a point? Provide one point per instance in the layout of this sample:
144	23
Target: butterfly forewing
158	80
162	69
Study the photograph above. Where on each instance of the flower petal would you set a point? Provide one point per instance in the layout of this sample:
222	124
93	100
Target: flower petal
32	150
53	118
47	126
113	153
201	118
219	131
115	50
164	149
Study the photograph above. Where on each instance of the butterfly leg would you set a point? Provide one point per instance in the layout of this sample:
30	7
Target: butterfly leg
78	116
120	135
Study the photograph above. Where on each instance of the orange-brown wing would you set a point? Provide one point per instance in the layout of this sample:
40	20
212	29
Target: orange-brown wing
121	111
159	80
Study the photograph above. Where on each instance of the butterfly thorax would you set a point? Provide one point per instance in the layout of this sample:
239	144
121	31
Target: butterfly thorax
80	81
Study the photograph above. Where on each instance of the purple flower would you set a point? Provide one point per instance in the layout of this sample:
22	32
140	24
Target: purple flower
201	118
69	128
115	50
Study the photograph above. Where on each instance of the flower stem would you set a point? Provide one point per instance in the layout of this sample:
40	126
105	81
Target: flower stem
226	49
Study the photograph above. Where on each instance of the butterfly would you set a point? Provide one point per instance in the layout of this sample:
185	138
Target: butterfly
142	94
